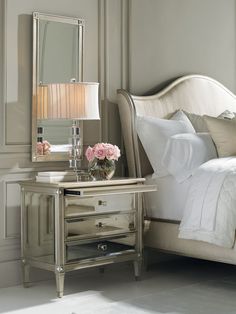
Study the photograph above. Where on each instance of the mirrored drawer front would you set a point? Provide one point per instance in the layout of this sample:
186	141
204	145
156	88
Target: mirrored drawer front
76	206
100	248
97	226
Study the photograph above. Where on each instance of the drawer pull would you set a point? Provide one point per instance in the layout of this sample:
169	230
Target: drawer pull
102	203
100	225
131	226
102	247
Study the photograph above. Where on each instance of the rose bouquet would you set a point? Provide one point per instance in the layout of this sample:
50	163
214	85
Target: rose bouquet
102	157
43	148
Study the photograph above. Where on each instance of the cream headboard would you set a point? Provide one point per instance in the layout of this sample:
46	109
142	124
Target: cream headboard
193	93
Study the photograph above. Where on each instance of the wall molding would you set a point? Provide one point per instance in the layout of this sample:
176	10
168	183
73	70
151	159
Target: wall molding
7	235
106	9
125	57
102	66
2	69
4	145
21	162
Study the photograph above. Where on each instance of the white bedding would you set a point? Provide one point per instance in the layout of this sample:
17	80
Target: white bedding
210	210
63	148
168	201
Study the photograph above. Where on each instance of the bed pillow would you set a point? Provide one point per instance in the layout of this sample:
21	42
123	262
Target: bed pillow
229	115
184	153
154	134
197	121
181	116
223	133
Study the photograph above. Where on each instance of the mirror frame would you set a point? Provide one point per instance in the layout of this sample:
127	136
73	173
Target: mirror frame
35	73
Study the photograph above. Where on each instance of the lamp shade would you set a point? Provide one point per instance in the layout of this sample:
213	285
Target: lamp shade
42	101
77	101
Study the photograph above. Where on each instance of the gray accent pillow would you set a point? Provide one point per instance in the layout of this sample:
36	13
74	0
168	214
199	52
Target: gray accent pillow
197	121
223	133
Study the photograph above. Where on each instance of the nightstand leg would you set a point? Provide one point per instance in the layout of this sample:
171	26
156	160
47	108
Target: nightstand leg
137	269
26	274
146	260
60	277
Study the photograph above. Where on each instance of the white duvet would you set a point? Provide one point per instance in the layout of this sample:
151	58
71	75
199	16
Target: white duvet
210	211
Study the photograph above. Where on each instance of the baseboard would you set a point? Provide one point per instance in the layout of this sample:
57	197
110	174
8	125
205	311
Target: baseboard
11	274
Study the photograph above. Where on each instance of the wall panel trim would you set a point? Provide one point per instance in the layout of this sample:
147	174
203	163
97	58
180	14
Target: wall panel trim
7	235
3	4
102	66
125	44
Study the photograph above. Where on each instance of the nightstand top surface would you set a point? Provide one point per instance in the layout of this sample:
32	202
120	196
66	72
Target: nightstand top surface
80	184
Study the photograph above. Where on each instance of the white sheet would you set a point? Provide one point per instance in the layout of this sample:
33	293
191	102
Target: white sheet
168	201
63	148
210	212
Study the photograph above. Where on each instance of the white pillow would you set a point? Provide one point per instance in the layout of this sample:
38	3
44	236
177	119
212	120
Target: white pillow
186	152
154	134
181	116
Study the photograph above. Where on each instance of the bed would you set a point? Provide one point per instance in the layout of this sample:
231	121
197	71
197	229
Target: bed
195	94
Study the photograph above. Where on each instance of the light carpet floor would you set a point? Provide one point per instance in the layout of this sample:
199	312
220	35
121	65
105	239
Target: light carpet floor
184	286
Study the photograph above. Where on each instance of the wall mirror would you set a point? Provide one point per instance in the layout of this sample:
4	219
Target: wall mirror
57	58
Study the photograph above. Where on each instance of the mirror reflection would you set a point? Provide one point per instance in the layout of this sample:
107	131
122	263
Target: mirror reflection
58	52
57	58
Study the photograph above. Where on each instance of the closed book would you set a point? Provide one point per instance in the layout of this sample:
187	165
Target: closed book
56	173
56	178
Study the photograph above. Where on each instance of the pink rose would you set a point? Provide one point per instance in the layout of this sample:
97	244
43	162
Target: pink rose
46	148
39	148
99	146
99	150
89	154
43	148
116	152
110	152
102	151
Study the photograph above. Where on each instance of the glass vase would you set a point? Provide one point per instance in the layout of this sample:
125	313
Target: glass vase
101	169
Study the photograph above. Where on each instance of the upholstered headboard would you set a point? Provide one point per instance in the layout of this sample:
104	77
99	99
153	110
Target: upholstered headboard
193	93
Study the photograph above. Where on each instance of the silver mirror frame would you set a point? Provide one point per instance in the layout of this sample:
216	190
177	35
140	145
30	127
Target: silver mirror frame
35	79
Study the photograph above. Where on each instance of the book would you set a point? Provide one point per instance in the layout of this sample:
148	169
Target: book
66	178
56	173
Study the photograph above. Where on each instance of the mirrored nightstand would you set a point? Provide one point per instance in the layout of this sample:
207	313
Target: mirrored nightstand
73	225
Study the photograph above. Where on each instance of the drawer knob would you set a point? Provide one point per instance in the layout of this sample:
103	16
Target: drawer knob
102	203
102	247
131	226
100	225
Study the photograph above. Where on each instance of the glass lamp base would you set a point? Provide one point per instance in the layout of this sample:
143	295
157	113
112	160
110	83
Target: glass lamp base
83	175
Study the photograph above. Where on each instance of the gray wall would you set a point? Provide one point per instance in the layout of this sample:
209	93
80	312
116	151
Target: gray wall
169	38
135	44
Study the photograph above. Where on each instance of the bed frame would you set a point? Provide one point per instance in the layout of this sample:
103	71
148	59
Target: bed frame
193	93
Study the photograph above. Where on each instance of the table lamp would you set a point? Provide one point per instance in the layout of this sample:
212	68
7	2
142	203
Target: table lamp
75	101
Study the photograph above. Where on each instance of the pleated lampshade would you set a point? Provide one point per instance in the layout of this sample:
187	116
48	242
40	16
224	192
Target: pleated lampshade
77	101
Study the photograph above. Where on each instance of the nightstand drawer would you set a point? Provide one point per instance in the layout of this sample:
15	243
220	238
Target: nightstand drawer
80	206
99	225
99	248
